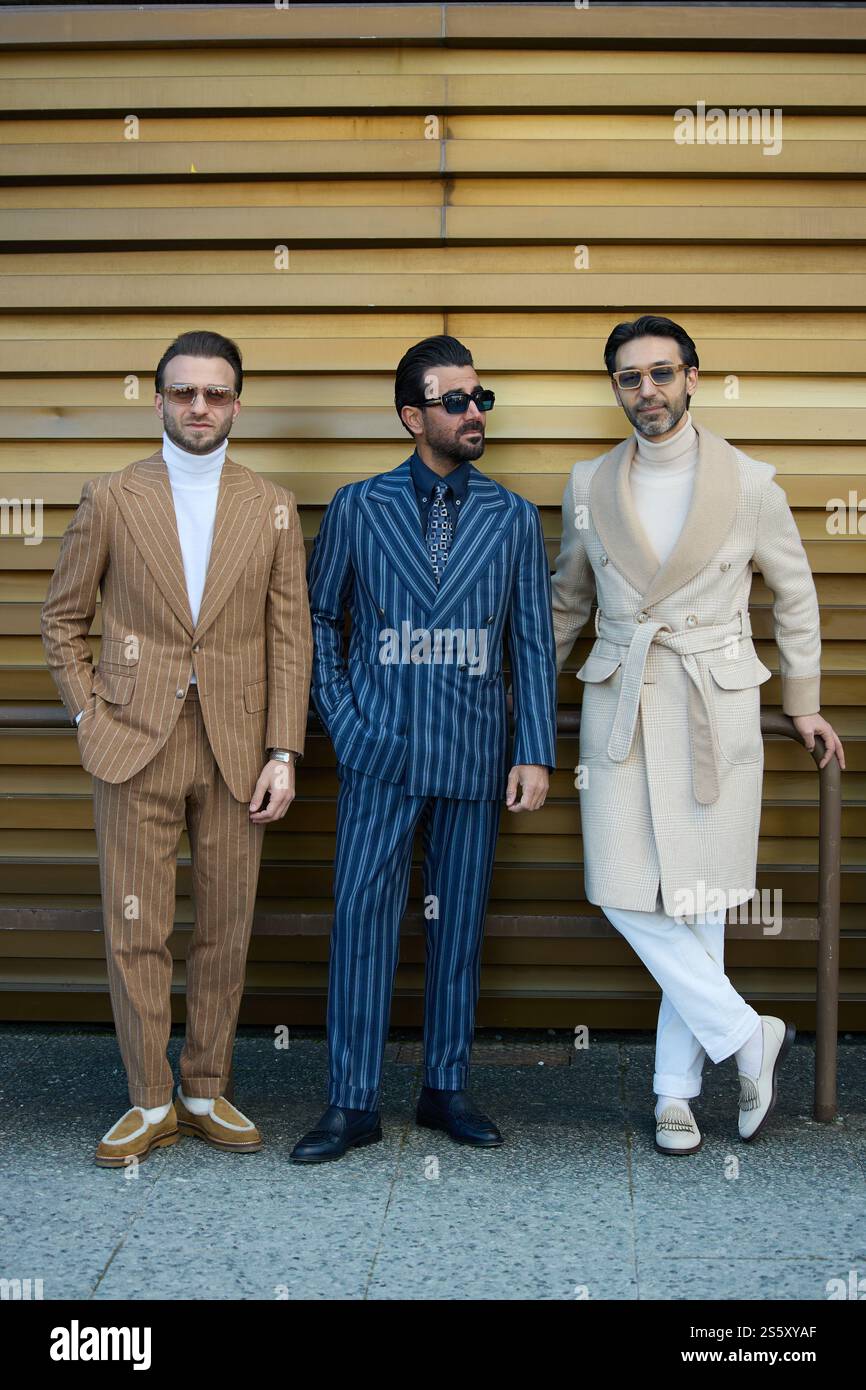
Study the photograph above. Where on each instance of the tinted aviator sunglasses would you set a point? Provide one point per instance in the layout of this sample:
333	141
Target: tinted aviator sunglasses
630	378
456	402
181	394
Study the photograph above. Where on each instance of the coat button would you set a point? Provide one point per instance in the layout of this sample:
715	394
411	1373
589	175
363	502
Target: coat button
691	620
381	612
642	616
725	565
180	694
604	559
490	619
196	647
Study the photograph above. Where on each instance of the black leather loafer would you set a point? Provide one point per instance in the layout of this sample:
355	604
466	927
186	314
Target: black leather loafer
334	1134
457	1117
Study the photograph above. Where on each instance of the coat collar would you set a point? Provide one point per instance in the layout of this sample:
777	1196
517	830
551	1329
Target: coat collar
710	517
145	499
391	507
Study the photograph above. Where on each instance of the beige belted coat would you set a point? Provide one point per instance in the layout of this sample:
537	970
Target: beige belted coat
670	736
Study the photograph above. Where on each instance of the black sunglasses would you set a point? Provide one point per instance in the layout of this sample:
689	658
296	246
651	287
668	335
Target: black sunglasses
456	402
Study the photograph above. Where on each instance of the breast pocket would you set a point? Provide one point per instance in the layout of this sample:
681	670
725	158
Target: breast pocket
602	676
736	702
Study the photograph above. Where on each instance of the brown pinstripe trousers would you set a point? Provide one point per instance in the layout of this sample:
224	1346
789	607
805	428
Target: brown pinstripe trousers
138	825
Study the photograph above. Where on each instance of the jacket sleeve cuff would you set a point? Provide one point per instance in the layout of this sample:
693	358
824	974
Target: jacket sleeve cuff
801	695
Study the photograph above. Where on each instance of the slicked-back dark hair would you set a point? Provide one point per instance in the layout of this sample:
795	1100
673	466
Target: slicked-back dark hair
200	343
438	351
649	326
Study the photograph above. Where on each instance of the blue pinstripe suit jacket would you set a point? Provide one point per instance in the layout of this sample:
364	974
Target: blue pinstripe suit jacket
425	710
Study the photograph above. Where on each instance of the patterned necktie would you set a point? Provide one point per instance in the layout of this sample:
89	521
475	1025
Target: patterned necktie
439	531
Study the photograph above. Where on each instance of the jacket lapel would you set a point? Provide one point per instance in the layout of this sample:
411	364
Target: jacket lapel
391	509
240	512
710	517
147	506
476	539
146	502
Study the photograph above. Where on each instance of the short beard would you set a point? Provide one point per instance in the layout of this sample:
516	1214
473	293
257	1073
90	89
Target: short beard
193	445
660	424
455	448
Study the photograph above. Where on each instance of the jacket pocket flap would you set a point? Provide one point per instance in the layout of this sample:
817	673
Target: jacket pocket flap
598	668
256	696
740	674
114	686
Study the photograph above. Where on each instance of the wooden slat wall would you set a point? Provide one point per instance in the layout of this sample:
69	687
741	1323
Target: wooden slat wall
308	128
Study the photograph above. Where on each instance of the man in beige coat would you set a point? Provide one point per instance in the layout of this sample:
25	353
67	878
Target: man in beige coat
191	719
664	532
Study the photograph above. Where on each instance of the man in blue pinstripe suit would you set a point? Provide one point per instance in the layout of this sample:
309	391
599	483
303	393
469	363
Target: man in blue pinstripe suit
436	565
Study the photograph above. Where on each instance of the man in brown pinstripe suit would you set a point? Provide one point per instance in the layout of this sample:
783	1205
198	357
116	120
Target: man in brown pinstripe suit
192	718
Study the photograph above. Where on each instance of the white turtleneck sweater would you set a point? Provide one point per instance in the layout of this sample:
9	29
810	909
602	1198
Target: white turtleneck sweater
195	483
662	477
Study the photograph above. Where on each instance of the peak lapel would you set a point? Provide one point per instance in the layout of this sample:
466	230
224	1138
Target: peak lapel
391	510
147	506
478	534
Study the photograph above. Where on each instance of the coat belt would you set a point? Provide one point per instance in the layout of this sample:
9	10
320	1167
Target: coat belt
636	639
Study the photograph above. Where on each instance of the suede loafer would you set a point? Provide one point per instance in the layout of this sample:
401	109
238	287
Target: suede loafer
224	1127
133	1138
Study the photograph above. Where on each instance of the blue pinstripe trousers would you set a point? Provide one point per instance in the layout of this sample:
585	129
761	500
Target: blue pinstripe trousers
376	823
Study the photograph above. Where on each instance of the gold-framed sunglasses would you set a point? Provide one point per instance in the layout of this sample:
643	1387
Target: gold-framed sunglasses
630	379
181	394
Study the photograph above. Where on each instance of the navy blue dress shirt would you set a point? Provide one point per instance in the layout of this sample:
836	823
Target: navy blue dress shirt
425	480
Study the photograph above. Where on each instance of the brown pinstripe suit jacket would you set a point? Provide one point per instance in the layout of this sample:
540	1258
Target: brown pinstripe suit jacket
251	648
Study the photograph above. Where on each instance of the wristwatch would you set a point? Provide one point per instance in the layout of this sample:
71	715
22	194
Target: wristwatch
283	755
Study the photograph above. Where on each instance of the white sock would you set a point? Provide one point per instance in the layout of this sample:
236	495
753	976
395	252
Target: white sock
751	1055
156	1113
664	1101
196	1105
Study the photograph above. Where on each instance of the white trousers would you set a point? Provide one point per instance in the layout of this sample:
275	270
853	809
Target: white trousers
701	1013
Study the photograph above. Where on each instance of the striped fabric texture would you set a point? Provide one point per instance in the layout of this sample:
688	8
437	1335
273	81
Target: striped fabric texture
376	822
437	726
250	649
138	824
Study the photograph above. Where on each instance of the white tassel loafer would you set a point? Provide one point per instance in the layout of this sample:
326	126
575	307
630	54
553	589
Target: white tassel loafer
758	1093
677	1131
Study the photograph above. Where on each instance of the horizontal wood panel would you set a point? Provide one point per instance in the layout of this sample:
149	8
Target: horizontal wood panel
308	128
479	26
66	227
